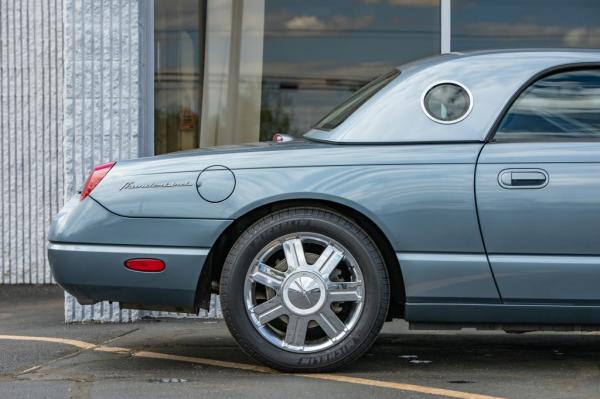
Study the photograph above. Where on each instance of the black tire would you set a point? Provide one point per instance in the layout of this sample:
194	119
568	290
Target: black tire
325	223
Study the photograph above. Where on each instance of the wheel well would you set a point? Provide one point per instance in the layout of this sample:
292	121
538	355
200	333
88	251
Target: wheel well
211	273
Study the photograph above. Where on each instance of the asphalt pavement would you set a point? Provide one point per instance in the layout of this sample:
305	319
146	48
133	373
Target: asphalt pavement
41	357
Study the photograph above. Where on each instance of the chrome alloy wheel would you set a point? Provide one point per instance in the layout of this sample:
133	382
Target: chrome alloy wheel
304	292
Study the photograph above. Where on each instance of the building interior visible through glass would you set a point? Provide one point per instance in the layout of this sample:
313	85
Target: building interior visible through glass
314	55
178	60
235	71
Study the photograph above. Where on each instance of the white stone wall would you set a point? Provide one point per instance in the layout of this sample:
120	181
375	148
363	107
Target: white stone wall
31	134
103	102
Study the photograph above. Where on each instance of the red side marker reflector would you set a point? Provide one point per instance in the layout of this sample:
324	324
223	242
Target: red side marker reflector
145	265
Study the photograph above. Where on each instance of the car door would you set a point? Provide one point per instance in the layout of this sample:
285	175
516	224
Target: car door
538	192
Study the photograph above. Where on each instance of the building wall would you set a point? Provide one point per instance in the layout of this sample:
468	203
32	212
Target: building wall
31	130
103	101
73	89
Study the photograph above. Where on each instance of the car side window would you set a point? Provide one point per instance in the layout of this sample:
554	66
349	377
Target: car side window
563	106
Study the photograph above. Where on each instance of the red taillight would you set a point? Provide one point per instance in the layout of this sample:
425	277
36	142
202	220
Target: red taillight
145	265
95	178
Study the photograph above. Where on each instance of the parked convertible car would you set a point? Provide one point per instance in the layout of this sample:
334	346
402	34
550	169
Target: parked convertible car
460	190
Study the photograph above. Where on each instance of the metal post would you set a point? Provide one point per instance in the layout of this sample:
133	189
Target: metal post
146	147
445	26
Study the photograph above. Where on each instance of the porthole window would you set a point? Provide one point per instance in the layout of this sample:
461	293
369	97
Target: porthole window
447	102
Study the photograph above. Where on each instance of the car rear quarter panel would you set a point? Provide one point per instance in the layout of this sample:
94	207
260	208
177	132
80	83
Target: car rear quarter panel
421	196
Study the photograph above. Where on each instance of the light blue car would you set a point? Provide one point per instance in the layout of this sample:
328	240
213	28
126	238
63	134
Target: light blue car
460	190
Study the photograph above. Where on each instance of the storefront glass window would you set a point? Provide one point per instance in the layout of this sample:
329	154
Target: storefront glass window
178	65
480	24
316	53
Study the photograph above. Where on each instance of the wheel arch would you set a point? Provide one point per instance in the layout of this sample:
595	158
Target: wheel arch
209	279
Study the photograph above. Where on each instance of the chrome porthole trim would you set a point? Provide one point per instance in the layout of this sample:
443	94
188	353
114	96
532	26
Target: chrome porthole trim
308	301
441	82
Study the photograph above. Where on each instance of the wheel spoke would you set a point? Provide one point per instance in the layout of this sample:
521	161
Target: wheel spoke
267	276
330	323
296	331
342	291
299	280
294	254
328	261
269	310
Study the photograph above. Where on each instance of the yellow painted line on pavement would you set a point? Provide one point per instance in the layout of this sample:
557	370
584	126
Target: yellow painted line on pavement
65	341
399	386
251	367
204	361
113	349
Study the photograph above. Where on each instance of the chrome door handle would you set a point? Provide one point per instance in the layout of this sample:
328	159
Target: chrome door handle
523	178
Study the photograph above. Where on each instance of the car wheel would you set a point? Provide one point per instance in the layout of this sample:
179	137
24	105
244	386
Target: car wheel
304	289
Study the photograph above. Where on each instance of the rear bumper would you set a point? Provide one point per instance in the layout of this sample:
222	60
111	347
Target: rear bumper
93	273
89	246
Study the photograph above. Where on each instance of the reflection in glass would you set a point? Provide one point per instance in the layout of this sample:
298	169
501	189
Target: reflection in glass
317	53
565	105
178	57
344	110
447	102
490	24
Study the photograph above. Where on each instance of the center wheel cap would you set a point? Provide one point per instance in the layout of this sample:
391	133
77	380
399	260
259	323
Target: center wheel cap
304	293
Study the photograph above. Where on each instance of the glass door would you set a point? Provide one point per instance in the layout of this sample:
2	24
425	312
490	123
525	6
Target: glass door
178	73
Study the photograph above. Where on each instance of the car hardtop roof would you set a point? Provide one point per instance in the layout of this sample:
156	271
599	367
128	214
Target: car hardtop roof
492	77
